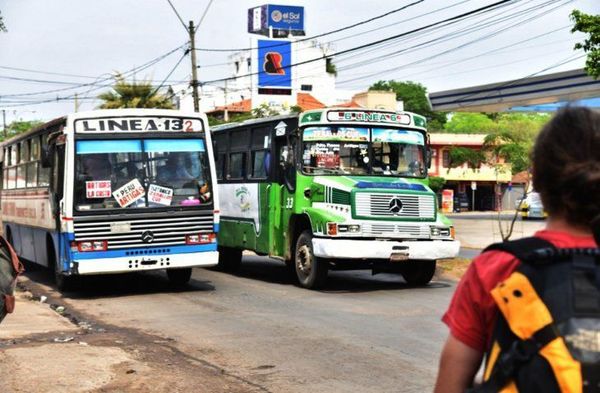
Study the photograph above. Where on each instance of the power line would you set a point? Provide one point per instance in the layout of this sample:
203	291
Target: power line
318	35
453	19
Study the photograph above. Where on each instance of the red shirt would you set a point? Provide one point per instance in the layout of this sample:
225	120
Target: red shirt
472	311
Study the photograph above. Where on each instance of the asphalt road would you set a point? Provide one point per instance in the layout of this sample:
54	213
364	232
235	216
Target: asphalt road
362	333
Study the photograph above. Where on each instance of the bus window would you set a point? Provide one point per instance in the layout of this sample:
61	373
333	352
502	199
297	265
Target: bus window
398	152
237	166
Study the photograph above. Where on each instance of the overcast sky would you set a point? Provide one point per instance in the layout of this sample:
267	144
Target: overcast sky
53	47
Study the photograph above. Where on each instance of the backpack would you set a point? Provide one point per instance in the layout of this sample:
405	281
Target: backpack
10	268
547	335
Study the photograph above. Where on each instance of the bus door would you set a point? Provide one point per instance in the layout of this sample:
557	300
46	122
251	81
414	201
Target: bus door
282	192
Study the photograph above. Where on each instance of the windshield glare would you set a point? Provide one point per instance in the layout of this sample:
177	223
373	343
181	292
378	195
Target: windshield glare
363	151
125	174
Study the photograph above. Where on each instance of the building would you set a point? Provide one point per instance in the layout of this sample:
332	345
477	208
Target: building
482	188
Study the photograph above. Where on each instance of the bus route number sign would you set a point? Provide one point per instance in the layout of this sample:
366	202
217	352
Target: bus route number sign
138	124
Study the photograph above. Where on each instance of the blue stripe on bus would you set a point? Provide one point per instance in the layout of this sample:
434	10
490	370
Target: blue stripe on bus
216	228
113	146
173	145
145	252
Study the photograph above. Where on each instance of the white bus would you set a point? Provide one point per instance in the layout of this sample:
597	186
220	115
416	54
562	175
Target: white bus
112	191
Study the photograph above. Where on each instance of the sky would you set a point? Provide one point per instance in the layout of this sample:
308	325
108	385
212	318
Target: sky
54	50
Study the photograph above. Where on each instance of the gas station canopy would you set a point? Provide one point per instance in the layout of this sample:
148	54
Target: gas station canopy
545	93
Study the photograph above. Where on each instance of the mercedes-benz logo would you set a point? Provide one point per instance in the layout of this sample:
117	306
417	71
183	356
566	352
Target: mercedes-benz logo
395	205
147	236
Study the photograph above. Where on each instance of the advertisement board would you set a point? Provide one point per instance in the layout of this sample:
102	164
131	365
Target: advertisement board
447	201
283	19
274	60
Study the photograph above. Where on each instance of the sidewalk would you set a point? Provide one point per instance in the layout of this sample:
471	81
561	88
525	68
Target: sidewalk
476	230
46	349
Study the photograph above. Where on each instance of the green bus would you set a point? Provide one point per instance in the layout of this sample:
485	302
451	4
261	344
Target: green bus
331	189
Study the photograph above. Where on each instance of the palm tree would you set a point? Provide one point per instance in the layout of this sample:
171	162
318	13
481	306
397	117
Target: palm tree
134	95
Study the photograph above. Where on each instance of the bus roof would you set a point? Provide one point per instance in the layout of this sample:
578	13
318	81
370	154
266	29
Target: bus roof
226	126
52	123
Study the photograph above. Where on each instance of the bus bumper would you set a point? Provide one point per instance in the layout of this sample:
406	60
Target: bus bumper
145	262
382	249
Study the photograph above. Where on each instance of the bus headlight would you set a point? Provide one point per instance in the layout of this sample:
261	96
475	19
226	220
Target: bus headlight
352	228
200	238
441	232
91	245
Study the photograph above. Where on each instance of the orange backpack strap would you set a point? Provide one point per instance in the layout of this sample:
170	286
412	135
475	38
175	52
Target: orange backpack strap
530	320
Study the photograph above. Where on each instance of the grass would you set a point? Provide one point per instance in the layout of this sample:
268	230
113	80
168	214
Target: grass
453	268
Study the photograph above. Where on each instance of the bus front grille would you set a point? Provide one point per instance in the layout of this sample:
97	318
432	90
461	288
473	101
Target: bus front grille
141	232
396	231
405	206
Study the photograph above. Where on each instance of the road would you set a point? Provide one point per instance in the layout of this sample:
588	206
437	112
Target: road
362	334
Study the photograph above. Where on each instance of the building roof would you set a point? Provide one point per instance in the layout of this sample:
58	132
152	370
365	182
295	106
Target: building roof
457	139
307	102
240	106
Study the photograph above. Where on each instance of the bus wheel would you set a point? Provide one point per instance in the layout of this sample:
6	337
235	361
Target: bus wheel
230	259
418	272
63	282
311	271
179	276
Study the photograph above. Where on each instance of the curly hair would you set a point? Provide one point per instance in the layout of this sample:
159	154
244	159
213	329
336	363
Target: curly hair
566	165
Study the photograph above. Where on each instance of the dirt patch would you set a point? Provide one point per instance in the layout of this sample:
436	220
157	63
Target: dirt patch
93	357
452	268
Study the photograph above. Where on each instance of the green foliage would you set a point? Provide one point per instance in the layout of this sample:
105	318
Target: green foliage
436	183
414	96
470	123
296	109
235	118
2	25
19	127
590	25
134	95
463	155
509	136
264	110
330	67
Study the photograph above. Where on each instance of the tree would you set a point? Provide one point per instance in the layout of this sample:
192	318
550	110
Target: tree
470	123
414	97
134	95
590	25
2	25
19	127
264	110
436	183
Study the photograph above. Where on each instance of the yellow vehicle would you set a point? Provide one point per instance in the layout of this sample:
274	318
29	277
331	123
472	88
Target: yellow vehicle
532	207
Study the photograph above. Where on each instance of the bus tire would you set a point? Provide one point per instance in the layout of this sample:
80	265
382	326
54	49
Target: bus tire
230	259
311	271
417	273
63	282
179	276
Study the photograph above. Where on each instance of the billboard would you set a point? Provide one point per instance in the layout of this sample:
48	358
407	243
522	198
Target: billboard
283	19
274	61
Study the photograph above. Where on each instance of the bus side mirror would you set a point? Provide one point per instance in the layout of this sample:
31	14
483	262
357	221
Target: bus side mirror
48	155
428	157
285	158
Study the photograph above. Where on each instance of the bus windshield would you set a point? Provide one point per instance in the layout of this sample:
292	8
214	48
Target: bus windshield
150	173
363	151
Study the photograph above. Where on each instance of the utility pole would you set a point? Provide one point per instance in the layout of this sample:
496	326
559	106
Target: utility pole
225	112
76	103
4	123
195	96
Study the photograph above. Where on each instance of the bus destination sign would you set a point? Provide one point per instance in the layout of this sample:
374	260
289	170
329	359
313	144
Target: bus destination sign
369	117
138	124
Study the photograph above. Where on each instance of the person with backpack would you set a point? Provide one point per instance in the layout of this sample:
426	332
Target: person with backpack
10	268
532	306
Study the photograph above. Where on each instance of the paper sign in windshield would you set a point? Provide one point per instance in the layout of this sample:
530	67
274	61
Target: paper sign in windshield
129	193
97	189
160	195
339	134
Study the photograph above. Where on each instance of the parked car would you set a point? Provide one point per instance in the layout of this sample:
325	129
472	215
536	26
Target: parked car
532	207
